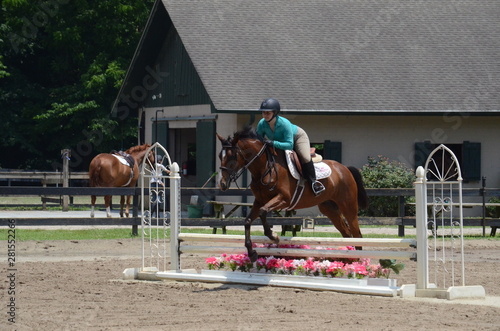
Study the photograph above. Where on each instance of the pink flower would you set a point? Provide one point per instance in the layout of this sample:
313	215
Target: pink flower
359	268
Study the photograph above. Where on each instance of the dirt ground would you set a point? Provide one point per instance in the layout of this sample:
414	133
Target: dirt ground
77	285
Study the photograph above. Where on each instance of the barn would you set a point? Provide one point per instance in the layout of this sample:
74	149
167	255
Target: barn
363	78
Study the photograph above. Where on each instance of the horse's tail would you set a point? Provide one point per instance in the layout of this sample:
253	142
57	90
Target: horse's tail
362	196
94	171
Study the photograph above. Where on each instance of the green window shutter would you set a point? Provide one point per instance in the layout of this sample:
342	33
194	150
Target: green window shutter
471	161
205	152
332	150
422	152
162	135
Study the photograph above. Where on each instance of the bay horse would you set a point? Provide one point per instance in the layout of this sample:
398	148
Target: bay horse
273	186
106	170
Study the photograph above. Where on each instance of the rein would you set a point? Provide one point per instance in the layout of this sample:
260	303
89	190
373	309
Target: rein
233	176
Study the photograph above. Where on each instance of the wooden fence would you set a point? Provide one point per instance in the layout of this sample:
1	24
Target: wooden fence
402	221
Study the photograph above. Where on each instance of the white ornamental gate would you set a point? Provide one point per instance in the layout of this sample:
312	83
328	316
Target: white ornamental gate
438	195
158	181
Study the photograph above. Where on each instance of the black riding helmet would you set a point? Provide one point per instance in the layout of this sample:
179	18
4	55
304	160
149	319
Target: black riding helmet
271	104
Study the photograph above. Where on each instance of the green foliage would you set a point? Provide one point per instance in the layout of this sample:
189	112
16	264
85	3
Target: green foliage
381	172
61	65
392	265
493	211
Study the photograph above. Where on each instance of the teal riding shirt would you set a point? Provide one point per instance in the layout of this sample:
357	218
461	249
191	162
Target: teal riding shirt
283	135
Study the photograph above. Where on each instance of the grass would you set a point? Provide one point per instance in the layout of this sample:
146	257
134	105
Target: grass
41	235
35	203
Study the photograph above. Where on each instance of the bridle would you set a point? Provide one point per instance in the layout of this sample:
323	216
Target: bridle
234	175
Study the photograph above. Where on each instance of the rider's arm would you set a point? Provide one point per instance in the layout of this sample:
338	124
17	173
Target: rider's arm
261	130
283	135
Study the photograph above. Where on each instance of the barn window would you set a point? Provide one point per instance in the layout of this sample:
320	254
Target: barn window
468	155
332	150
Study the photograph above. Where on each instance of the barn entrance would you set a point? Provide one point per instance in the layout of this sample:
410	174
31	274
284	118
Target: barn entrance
192	143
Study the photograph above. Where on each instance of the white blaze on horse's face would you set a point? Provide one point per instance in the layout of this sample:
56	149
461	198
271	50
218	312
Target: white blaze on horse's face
229	165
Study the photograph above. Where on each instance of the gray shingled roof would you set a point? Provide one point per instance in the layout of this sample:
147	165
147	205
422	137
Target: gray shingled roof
364	55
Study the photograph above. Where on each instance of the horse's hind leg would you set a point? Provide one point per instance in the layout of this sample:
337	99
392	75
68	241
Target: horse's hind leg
107	203
351	216
127	206
122	202
331	210
92	203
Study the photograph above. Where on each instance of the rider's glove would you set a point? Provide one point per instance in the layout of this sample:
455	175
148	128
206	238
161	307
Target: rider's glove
268	142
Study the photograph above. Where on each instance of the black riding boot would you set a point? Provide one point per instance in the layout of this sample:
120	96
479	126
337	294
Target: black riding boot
310	175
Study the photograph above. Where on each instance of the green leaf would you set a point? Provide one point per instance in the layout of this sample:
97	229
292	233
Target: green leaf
391	264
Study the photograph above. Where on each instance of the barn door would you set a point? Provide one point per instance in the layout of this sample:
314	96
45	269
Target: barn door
161	135
205	152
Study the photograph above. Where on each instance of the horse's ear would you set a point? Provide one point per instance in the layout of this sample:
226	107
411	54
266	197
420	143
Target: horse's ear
221	138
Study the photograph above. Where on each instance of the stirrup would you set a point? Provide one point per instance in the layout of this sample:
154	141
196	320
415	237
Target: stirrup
317	187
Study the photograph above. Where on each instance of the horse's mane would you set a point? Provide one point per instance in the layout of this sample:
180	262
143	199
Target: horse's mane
247	133
137	149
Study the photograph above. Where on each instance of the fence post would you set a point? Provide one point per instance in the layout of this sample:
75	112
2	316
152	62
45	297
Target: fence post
421	223
401	215
175	220
66	154
483	193
135	213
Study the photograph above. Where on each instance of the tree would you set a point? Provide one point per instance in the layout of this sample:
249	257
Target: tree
61	65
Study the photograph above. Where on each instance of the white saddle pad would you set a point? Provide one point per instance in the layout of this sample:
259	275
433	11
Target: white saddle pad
322	169
121	159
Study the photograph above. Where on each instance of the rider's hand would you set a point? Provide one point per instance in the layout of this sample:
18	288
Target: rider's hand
268	142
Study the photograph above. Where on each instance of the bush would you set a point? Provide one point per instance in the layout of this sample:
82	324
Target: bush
381	172
493	211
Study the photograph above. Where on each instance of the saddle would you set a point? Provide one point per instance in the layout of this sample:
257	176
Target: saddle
124	158
295	167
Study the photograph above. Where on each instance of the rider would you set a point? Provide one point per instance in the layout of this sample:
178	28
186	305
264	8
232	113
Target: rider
282	134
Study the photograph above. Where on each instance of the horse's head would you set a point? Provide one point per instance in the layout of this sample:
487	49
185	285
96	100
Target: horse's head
139	153
230	161
236	155
151	159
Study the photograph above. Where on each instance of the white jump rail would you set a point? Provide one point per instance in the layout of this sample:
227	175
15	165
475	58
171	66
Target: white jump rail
318	253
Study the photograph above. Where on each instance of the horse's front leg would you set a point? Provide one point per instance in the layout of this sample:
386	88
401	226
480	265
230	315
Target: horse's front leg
275	203
252	254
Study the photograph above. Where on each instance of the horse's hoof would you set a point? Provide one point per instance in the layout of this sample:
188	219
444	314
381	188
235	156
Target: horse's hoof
253	256
276	239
